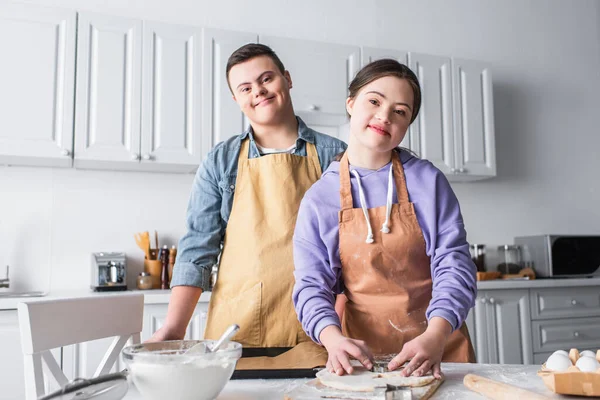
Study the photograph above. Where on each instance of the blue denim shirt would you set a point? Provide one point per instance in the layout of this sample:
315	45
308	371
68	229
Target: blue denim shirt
212	197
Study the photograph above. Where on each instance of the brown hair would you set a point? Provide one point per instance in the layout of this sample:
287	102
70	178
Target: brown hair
248	52
387	67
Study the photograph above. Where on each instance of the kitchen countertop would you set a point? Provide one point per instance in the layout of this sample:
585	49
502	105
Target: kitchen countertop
537	283
523	376
150	296
163	296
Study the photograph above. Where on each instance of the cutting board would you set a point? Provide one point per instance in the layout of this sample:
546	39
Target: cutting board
314	389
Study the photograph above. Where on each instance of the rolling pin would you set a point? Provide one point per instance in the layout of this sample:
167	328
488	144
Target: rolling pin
499	391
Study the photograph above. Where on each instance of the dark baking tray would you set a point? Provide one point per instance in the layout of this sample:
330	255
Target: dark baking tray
270	373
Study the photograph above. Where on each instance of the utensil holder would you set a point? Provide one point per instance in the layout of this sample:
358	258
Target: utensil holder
154	268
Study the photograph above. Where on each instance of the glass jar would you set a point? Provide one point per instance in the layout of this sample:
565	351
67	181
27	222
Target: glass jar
511	259
478	256
144	281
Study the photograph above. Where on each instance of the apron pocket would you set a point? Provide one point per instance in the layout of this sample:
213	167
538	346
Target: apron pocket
244	310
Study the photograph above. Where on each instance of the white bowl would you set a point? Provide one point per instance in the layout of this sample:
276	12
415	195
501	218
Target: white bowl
163	370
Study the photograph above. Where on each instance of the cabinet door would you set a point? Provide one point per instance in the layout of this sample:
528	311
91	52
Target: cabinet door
321	73
37	77
11	362
370	54
432	133
480	333
155	315
171	99
221	116
474	118
107	115
508	327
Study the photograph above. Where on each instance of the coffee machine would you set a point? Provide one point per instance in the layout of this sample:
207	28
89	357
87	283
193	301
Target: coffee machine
109	271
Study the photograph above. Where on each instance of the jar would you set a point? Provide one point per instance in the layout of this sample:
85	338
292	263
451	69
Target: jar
144	281
478	256
511	259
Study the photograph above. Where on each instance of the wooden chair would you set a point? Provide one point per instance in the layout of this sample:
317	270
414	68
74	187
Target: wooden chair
50	324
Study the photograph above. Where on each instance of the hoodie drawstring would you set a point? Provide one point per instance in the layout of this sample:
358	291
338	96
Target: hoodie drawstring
363	204
388	205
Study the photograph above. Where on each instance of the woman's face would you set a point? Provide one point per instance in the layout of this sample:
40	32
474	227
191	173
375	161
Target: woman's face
381	113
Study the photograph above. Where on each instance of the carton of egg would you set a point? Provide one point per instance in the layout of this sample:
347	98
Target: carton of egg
572	373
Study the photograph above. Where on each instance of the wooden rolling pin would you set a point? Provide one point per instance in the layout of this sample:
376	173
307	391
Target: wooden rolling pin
499	391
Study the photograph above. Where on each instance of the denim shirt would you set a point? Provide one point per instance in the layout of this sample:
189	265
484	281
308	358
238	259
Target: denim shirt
211	199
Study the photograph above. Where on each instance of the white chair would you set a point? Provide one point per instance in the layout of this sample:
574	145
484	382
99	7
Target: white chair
50	324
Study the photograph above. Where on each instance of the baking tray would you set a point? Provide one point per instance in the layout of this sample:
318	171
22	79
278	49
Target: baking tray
271	373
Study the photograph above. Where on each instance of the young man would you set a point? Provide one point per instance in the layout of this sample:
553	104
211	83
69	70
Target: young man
245	197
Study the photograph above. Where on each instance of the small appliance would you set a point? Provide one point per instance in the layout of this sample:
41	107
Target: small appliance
109	271
562	256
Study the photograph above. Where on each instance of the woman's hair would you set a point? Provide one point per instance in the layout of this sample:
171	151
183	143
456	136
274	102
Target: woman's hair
387	67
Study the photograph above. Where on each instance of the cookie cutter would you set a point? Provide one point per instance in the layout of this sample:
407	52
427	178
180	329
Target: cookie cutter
380	367
392	392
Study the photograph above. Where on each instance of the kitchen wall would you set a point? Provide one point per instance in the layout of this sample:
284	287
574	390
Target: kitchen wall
546	64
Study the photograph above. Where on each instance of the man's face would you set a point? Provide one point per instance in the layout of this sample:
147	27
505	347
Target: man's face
260	89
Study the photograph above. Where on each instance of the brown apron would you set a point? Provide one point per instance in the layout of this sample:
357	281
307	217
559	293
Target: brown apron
388	282
255	281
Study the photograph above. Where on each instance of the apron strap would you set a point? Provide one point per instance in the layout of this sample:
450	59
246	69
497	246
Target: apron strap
345	188
244	149
311	153
399	178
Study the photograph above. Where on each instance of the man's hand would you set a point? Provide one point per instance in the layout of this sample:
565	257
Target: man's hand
425	351
340	348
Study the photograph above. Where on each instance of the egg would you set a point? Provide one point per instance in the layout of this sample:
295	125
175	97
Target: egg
587	353
587	364
561	352
558	362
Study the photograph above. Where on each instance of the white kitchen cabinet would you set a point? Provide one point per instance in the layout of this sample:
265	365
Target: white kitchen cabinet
455	126
473	119
503	327
370	54
155	314
11	359
171	136
107	115
221	116
321	73
432	133
37	77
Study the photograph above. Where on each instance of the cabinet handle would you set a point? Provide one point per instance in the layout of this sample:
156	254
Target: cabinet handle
313	107
146	157
135	156
65	152
484	300
453	170
576	334
574	302
462	170
492	300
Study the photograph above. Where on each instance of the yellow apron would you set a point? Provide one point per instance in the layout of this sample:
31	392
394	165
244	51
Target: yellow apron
255	280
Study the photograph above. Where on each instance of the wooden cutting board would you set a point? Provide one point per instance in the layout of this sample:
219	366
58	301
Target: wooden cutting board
314	389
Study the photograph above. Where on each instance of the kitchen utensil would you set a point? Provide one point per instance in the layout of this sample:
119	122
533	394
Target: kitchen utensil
109	271
164	370
497	390
156	239
143	241
228	334
391	392
105	387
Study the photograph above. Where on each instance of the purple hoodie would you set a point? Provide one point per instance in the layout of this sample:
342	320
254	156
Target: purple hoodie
316	242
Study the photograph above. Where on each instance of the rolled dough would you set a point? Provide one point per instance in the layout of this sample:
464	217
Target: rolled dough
363	380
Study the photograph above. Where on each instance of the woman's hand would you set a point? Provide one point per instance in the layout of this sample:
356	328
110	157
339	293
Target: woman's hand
341	348
425	351
164	333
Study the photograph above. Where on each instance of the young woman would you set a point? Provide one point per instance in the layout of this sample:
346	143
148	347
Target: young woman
384	228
